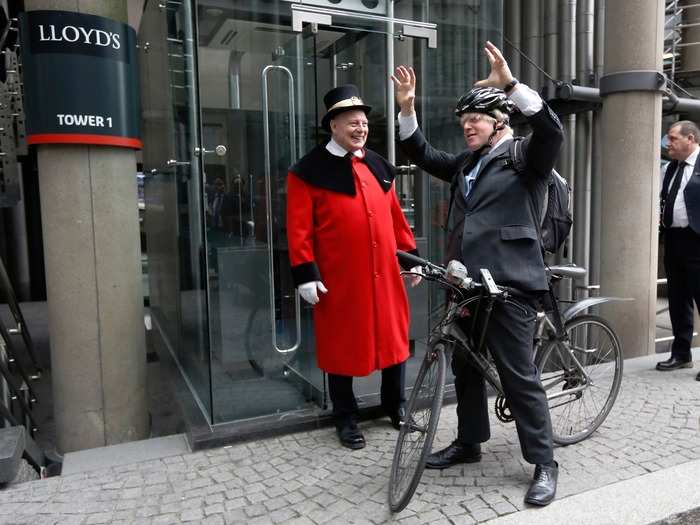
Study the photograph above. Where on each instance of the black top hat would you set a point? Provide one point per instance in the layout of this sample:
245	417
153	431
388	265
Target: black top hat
339	99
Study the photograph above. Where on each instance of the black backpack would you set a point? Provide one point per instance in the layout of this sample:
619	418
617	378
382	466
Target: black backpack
555	216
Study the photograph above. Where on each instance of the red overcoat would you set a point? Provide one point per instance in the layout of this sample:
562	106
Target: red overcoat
349	242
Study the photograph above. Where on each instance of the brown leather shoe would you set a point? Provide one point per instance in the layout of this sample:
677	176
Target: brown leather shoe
454	454
673	363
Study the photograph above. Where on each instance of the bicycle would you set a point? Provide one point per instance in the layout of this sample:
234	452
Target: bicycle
578	356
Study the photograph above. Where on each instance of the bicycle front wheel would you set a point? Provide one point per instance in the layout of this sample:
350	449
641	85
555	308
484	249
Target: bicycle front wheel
418	431
581	377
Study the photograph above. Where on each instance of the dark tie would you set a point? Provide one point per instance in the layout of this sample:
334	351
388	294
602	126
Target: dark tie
672	194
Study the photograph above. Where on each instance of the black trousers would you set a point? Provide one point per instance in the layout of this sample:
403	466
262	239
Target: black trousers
391	393
682	263
509	338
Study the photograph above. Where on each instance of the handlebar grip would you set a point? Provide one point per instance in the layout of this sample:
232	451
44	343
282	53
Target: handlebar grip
408	260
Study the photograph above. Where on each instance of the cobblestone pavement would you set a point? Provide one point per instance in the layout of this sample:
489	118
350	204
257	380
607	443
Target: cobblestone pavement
307	478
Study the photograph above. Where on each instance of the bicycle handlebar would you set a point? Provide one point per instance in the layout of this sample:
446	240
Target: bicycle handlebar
455	280
408	259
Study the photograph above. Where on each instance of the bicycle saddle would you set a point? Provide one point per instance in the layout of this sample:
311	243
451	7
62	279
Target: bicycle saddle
569	270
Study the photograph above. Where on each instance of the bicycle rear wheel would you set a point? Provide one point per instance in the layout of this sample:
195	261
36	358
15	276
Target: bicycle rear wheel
418	431
580	400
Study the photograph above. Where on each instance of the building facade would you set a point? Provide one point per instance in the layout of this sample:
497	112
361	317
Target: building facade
231	95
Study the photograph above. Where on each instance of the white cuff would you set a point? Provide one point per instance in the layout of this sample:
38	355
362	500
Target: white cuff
526	99
407	125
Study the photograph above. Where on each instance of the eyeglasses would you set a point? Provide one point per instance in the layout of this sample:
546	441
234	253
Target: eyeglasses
473	118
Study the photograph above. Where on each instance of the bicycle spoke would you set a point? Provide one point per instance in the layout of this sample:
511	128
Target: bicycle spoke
416	434
589	366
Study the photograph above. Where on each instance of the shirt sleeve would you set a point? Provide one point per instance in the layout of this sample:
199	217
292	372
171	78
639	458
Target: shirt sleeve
407	125
526	99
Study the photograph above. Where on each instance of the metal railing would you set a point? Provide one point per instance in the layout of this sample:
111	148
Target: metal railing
17	396
594	289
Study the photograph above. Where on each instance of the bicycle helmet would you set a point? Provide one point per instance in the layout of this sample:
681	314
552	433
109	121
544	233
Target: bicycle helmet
484	100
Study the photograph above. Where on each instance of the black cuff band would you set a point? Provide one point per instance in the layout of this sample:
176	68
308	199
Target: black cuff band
305	273
510	85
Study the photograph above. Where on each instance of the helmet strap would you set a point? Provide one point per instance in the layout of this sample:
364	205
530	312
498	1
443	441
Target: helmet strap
489	142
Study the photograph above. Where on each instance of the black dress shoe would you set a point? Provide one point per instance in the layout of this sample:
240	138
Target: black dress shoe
397	417
673	363
544	485
453	454
349	435
697	377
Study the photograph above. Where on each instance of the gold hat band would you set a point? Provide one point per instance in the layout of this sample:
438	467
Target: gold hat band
347	103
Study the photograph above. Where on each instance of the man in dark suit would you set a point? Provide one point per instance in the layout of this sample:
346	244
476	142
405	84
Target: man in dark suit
492	224
680	223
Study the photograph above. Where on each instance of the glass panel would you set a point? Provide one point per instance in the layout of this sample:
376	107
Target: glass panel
253	305
260	351
192	348
444	74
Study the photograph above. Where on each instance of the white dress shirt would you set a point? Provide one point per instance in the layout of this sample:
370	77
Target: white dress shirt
339	151
680	214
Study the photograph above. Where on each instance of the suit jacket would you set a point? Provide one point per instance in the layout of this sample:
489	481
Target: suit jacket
495	228
691	193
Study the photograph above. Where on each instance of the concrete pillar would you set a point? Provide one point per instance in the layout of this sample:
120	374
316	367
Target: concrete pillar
631	123
93	275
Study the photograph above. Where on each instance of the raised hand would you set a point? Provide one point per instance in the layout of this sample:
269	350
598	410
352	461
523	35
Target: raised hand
404	81
500	74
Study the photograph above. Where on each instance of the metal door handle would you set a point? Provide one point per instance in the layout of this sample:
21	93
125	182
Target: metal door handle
405	169
174	162
268	199
219	150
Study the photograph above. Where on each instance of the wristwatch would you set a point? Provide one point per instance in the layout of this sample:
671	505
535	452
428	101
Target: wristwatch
510	85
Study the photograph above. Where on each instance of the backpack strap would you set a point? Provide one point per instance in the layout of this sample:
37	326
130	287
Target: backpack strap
517	159
517	155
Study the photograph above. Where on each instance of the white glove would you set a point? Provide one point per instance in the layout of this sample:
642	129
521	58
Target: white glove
416	279
309	293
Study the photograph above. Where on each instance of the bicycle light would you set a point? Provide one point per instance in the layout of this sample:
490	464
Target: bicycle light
457	273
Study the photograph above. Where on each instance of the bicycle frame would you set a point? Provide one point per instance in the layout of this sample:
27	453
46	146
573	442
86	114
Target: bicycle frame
452	330
548	330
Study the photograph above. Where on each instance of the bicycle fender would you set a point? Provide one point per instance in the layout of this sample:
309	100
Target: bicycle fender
585	304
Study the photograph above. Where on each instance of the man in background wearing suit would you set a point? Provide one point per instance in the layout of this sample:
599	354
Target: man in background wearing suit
680	225
492	224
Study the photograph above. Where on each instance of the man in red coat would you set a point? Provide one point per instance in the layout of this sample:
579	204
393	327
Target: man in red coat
344	225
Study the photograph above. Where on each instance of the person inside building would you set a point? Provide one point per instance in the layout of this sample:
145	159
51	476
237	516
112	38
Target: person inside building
344	225
680	226
491	224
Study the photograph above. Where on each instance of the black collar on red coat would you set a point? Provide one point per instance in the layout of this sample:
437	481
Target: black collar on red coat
322	169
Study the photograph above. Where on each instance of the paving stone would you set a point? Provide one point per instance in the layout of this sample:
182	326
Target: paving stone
483	515
191	515
166	519
103	517
307	478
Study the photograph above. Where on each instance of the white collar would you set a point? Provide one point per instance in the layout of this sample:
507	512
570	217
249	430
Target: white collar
504	139
339	151
693	157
